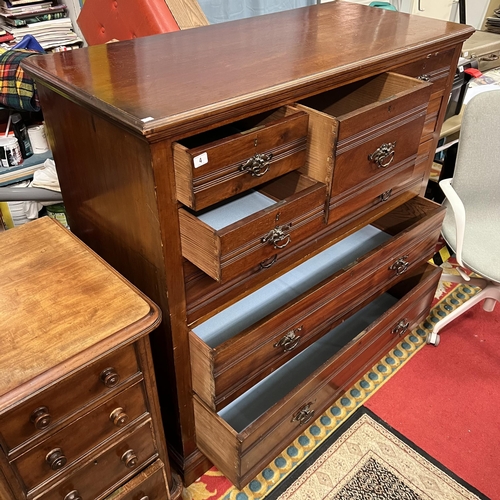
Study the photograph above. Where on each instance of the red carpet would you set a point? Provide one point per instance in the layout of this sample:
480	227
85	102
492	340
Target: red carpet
446	399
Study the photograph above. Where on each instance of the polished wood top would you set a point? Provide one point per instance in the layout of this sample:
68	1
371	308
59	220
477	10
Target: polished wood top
155	83
61	307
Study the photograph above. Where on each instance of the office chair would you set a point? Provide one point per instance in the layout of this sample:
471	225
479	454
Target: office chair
472	223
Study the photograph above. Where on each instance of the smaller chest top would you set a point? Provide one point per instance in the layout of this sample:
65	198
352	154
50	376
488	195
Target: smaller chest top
61	306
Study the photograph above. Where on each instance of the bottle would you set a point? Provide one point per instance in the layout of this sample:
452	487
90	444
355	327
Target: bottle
22	135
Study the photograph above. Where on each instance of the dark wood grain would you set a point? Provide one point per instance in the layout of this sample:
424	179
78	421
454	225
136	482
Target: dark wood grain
111	468
117	171
222	373
150	483
306	49
72	319
261	440
280	139
230	251
69	397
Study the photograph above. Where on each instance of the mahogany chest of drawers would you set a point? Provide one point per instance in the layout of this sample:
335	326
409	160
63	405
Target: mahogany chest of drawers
79	415
260	180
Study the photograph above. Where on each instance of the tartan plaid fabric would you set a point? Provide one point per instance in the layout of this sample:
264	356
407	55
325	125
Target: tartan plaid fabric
16	89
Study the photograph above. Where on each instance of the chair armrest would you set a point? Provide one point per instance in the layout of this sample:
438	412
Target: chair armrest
459	212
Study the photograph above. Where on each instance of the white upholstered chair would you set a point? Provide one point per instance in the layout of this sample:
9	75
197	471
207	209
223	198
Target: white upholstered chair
472	223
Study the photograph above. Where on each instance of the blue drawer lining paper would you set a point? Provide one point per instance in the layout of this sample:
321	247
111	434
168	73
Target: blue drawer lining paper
244	313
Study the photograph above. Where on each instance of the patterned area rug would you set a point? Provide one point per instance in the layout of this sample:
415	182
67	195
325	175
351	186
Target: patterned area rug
365	459
214	486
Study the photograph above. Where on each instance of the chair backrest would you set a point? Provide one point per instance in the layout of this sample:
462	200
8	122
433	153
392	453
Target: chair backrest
477	169
103	20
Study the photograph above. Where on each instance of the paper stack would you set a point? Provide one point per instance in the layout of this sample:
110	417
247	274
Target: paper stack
46	21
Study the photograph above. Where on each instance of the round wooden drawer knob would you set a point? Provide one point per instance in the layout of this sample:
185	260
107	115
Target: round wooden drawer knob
56	459
109	377
41	418
129	458
73	495
119	417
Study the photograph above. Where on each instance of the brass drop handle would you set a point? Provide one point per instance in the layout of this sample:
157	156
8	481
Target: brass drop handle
386	195
109	377
56	459
73	495
129	458
277	237
384	155
266	264
41	418
491	57
118	417
400	266
304	414
424	78
290	341
257	165
401	327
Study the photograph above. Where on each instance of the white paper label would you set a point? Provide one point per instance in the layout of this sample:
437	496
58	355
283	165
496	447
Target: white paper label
200	160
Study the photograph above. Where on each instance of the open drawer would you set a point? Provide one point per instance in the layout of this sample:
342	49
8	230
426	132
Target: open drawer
253	229
215	165
245	342
368	130
246	435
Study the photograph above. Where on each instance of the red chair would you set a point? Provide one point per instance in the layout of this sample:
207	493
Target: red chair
103	20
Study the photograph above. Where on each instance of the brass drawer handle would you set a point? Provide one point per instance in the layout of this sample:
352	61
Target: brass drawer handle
73	495
278	235
384	155
290	341
129	458
400	266
424	78
304	414
56	459
41	418
401	327
266	264
386	195
118	417
109	377
257	165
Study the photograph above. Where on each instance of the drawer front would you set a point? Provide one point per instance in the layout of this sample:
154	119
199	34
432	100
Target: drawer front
54	455
347	367
44	411
435	69
215	171
357	203
379	152
256	239
265	437
104	472
247	358
150	484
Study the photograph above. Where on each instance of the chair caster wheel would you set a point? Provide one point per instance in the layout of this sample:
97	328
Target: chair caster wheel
433	338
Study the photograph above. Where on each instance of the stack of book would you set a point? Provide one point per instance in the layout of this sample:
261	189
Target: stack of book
47	21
